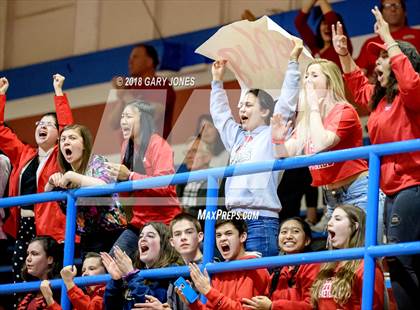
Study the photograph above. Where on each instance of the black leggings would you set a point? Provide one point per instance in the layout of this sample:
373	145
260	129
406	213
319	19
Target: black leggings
402	214
25	234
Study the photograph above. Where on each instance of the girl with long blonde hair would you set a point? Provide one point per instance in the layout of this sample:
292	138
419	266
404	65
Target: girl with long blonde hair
326	122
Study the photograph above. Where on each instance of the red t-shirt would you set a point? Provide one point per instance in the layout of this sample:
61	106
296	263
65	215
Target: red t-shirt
394	122
345	123
367	60
326	300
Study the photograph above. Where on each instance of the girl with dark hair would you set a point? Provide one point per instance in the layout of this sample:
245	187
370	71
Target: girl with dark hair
43	262
154	251
339	284
319	43
144	154
290	285
32	166
250	141
394	103
98	225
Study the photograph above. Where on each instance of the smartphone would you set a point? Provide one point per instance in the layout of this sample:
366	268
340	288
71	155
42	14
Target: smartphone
186	289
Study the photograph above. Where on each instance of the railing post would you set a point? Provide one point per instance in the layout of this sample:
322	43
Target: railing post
69	243
371	231
210	222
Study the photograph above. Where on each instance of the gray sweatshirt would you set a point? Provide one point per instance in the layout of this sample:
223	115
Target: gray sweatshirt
254	192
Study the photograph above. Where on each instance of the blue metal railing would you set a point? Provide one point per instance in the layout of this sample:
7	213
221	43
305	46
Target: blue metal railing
369	252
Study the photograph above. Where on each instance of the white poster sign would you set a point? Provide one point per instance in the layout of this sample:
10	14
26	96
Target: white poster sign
257	53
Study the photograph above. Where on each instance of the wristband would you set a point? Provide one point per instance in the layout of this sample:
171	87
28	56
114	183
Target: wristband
132	272
343	55
393	44
277	141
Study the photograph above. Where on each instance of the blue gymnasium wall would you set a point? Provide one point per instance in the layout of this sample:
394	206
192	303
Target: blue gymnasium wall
176	51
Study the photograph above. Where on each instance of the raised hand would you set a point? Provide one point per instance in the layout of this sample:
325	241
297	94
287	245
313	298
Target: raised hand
218	69
257	303
312	98
68	273
381	27
47	292
123	261
339	39
111	266
279	128
297	49
58	81
4	85
201	280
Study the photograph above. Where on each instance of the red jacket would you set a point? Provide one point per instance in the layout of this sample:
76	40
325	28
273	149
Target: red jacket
326	301
309	38
228	289
367	60
395	122
81	301
298	296
49	219
155	204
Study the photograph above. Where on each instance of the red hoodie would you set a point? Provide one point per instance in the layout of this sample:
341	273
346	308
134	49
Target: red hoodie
326	301
228	288
297	295
394	122
48	216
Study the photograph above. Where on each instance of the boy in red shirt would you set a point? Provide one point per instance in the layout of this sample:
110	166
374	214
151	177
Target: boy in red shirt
92	299
226	290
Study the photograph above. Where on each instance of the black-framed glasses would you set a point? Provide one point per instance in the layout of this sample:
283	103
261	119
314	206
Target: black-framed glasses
45	124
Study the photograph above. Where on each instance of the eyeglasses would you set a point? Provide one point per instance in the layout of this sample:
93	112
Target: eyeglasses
45	124
392	5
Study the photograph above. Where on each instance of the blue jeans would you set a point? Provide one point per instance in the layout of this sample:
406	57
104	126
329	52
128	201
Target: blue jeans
402	225
356	194
262	236
128	242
